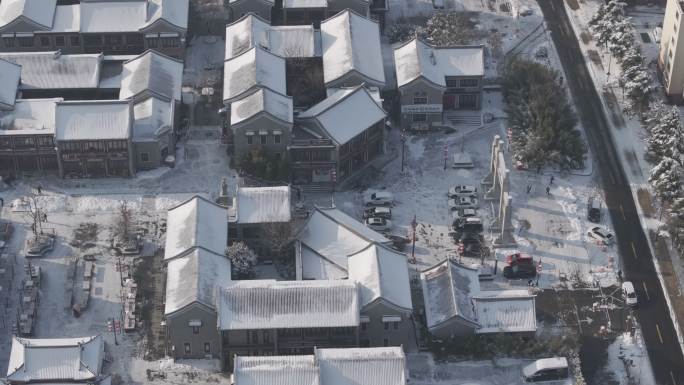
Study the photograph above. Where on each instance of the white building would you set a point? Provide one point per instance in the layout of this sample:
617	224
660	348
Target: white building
671	57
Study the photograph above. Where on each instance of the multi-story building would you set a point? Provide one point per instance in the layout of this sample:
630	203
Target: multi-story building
671	56
94	26
93	138
337	137
432	80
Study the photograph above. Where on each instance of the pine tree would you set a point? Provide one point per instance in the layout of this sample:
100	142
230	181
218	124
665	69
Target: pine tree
242	260
666	179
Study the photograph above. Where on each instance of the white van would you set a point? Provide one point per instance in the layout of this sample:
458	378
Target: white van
629	294
546	369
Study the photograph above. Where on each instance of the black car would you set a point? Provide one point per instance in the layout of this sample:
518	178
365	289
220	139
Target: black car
594	210
468	225
467	238
520	271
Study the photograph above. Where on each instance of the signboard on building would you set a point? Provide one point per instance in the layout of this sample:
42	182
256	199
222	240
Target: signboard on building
421	108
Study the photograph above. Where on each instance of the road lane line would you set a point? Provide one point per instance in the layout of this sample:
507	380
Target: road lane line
634	250
622	210
660	336
673	379
643	283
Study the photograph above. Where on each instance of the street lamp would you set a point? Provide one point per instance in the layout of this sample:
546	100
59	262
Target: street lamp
403	148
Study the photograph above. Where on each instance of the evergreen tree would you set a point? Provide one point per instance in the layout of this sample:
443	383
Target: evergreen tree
666	179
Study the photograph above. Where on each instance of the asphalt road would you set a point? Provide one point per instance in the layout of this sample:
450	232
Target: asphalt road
637	263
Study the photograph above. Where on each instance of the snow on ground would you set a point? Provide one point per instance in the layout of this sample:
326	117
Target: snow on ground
628	360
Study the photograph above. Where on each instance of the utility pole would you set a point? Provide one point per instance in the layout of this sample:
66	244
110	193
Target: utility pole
414	224
446	153
403	148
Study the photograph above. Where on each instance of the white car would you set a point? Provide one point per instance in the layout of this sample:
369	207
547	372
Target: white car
463	203
629	294
462	191
463	213
379	224
601	234
379	198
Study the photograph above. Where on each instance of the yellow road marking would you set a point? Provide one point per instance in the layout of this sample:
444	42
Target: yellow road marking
646	290
673	379
634	250
622	210
660	336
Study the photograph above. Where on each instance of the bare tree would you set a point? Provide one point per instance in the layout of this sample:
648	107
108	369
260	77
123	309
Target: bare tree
124	222
36	214
280	236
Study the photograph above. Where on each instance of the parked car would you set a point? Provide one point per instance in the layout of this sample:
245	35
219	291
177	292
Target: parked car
467	238
463	203
468	225
546	369
378	212
601	234
594	210
462	191
379	198
476	250
40	245
379	224
520	265
463	213
629	294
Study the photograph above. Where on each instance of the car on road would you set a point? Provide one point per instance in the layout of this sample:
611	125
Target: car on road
463	203
462	191
594	210
379	198
468	225
601	234
463	213
520	265
629	294
379	224
467	238
546	370
377	212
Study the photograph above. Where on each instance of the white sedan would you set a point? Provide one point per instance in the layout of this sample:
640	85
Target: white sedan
462	191
463	203
379	224
601	234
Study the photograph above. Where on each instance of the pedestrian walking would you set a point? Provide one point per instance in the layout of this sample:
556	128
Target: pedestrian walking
548	190
551	180
529	188
44	217
40	189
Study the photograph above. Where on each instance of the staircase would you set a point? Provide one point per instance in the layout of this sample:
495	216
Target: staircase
461	119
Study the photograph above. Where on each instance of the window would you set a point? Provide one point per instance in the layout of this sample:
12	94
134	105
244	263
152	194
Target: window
364	326
395	325
195	330
467	101
45	141
25	41
250	139
469	82
420	117
186	348
207	347
365	343
152	43
44	41
420	100
386	325
267	336
144	156
263	138
255	337
168	42
276	139
75	41
136	39
385	342
92	40
60	41
8	42
117	145
453	83
113	39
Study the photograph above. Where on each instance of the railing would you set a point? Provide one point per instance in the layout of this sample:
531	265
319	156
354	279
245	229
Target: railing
311	142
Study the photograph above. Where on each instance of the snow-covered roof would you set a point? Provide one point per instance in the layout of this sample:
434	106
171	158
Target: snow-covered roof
263	205
271	370
193	277
382	274
286	41
67	18
448	289
196	222
113	16
151	118
334	236
314	266
175	12
10	74
93	120
362	366
416	59
253	68
40	12
30	116
152	72
351	43
262	100
53	360
346	113
269	304
505	311
305	3
52	70
346	366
